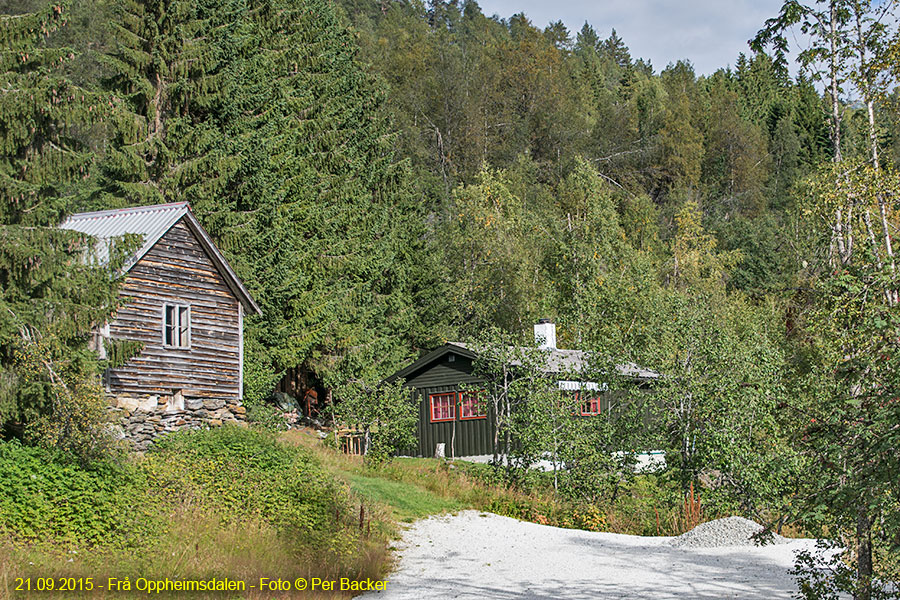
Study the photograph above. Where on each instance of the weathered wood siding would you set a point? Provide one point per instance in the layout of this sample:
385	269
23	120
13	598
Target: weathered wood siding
178	270
472	436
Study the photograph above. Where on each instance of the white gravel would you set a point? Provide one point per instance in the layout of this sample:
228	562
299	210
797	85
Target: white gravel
479	555
730	531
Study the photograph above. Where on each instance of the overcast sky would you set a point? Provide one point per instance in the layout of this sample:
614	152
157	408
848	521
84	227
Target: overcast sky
709	33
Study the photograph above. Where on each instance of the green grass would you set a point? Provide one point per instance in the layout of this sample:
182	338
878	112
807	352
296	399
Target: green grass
229	502
410	488
406	501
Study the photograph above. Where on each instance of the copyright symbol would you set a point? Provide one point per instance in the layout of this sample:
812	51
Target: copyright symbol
300	584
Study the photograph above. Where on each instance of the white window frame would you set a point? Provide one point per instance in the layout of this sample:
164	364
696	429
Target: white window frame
187	312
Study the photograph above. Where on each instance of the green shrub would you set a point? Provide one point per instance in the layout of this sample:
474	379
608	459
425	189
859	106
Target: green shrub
266	416
44	495
231	473
238	472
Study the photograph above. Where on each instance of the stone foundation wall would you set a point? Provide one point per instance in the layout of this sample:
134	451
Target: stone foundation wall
142	420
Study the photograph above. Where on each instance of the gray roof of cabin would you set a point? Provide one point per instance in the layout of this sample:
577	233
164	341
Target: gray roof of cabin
558	361
573	361
152	222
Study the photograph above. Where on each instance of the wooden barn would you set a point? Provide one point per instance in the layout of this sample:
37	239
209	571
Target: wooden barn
460	420
185	307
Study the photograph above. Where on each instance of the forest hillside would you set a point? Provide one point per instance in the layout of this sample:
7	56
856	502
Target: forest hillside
388	175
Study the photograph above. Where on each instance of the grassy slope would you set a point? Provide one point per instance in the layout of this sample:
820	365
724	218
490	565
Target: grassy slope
409	488
224	503
407	502
229	502
237	503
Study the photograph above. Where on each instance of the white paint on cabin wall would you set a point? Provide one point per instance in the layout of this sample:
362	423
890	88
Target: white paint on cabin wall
574	386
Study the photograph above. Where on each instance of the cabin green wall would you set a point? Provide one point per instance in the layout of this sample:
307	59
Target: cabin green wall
472	436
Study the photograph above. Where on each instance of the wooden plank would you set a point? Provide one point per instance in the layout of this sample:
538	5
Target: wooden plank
177	270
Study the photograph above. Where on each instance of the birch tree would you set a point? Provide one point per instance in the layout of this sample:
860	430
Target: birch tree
852	322
511	372
848	397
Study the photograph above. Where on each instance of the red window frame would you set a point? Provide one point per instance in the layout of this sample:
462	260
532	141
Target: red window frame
446	407
592	404
470	400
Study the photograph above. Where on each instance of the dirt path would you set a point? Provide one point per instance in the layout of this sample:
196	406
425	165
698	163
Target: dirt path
477	555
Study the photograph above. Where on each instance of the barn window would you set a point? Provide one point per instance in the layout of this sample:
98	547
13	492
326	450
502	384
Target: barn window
590	405
176	326
443	407
472	405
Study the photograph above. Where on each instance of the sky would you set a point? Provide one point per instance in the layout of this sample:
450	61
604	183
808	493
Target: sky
709	33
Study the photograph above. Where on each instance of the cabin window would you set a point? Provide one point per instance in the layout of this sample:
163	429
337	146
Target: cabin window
176	326
590	405
472	405
443	407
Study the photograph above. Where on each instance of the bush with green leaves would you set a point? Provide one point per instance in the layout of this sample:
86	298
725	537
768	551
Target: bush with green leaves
238	472
267	417
385	414
231	474
44	495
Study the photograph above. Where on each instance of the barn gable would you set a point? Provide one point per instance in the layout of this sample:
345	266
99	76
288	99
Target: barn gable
151	223
185	306
176	271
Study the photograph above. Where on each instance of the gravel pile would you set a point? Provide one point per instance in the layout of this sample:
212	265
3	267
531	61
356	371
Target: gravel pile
730	531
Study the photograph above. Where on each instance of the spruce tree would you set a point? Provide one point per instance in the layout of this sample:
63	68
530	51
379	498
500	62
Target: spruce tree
173	72
50	296
322	214
260	115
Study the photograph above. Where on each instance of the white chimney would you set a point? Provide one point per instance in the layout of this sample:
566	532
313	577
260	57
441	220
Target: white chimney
545	334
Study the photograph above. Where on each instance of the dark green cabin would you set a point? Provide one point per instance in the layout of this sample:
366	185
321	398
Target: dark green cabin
446	414
451	416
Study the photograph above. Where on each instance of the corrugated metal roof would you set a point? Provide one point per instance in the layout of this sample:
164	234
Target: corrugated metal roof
151	222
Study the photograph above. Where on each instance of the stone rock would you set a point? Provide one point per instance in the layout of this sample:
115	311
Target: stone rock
116	431
193	404
215	422
127	403
175	402
240	410
149	404
213	404
223	415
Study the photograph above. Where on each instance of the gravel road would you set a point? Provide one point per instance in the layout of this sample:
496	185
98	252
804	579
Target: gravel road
478	555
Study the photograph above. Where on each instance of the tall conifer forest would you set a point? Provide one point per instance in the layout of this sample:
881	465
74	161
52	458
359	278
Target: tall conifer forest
388	175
